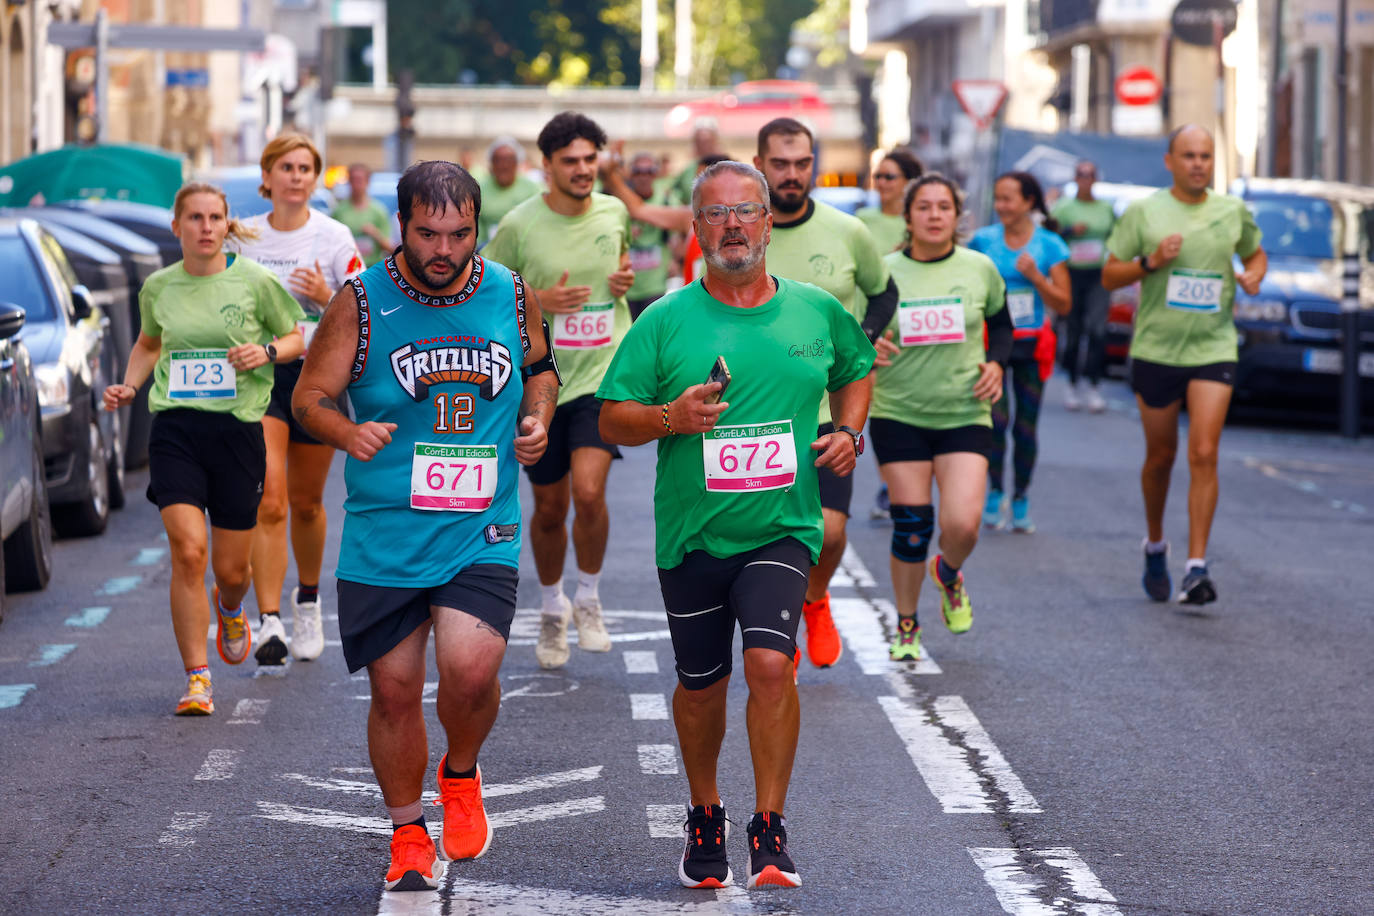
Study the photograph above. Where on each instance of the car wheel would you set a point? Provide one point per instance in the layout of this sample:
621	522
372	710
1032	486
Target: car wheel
114	467
88	517
28	552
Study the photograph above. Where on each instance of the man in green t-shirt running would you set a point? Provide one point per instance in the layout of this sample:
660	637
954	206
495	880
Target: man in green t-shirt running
365	218
1085	222
504	186
736	504
813	242
1179	243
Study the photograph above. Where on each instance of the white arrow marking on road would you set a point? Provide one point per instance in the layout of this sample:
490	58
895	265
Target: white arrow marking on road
180	832
1018	889
249	712
861	623
381	826
648	706
219	764
349	786
460	896
658	759
641	661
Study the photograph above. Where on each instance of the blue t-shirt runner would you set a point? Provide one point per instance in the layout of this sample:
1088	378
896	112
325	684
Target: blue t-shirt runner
1024	304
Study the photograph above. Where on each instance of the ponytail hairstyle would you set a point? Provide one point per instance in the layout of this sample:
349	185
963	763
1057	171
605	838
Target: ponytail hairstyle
915	186
1031	191
238	232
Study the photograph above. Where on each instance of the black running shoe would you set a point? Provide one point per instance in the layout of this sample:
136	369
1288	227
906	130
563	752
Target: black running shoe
769	863
1197	587
1156	577
703	855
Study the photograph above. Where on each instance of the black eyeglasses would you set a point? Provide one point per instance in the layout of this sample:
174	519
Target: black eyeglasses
643	171
717	214
886	176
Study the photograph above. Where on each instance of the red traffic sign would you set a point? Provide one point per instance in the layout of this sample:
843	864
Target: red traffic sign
1138	86
980	99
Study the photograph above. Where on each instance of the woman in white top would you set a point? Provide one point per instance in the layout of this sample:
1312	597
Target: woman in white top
312	255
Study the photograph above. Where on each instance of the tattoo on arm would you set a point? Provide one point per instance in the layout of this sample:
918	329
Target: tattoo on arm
326	402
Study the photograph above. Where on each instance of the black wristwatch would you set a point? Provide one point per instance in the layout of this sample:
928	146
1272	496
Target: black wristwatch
854	434
1144	262
271	350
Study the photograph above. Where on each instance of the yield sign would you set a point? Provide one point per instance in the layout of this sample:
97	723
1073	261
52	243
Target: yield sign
981	99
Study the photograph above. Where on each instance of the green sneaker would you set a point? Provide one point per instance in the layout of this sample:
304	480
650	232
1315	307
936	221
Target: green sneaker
907	646
954	603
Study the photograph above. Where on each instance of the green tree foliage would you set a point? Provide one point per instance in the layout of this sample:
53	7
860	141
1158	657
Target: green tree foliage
571	43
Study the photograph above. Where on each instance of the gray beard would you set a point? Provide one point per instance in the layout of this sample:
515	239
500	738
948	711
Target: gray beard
734	265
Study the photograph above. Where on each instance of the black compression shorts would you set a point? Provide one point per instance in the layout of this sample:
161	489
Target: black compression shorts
1159	385
896	441
836	491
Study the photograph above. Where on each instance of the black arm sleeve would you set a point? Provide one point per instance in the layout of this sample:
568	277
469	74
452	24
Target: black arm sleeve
1000	337
880	310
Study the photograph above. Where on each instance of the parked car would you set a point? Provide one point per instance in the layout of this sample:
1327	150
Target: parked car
1290	334
65	335
26	560
145	220
743	109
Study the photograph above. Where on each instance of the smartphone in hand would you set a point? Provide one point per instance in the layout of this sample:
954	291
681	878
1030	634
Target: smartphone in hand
719	373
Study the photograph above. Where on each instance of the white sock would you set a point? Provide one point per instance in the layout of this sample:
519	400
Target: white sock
587	586
1195	563
1156	546
405	814
553	597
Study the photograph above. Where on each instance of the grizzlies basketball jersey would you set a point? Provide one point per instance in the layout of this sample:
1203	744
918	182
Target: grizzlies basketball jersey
443	495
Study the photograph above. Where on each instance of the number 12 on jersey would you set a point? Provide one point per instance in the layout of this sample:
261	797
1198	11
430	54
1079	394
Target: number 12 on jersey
750	457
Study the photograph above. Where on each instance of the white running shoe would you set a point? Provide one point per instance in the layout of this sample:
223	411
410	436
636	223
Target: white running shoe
591	629
271	641
1071	399
1093	399
307	630
552	649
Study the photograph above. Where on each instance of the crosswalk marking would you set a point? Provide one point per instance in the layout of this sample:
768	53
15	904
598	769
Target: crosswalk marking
640	661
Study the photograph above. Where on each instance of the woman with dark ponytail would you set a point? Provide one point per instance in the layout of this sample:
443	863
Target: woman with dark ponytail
1033	260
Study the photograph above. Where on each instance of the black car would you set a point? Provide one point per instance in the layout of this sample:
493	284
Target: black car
65	335
26	561
148	221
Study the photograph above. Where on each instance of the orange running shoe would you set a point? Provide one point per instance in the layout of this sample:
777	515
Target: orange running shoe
233	636
415	866
467	832
823	645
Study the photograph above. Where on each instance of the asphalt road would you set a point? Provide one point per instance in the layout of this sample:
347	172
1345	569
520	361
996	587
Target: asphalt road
1081	750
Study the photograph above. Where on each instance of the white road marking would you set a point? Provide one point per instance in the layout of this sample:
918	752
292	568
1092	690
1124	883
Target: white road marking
642	636
1018	885
381	826
219	764
89	617
638	661
858	573
51	654
249	712
12	695
947	770
864	625
658	759
546	781
462	896
181	831
273	670
665	821
349	786
570	808
118	585
149	556
648	706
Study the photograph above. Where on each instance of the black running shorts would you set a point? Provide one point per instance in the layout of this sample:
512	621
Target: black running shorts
836	491
896	441
212	461
763	590
574	426
284	378
374	619
1159	385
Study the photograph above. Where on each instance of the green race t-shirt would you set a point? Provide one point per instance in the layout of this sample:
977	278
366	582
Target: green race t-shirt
834	251
198	320
540	245
498	201
752	480
649	255
355	218
1184	316
889	232
1089	249
939	326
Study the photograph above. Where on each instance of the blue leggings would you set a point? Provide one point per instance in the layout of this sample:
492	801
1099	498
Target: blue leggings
1027	389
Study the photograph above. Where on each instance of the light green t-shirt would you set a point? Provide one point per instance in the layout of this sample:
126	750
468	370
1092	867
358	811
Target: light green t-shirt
498	201
1089	249
539	244
834	251
889	232
649	255
355	218
752	480
1184	316
939	326
199	319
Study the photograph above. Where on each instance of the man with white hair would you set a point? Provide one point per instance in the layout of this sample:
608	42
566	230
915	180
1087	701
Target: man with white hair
504	185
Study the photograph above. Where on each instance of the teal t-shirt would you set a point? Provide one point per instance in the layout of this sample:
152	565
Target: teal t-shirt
752	480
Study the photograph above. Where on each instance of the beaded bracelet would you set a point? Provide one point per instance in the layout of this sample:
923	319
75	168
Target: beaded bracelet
666	425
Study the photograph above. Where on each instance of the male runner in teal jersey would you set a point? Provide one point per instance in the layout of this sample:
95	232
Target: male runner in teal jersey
1179	243
430	345
572	245
736	503
815	243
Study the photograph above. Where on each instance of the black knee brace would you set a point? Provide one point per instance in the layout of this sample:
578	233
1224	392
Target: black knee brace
911	529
